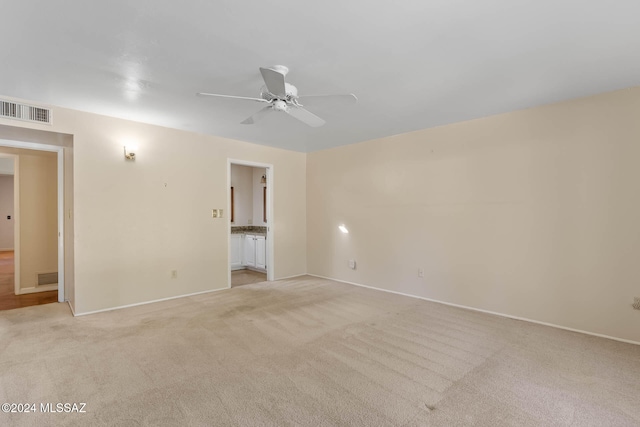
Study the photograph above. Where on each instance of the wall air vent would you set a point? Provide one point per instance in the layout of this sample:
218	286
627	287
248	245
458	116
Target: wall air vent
47	279
30	113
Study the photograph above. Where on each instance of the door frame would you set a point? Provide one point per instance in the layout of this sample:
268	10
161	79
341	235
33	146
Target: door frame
60	158
16	220
270	232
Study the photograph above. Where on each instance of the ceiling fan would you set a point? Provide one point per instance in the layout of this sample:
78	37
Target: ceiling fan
282	96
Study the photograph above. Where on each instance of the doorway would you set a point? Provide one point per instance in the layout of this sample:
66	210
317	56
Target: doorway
9	200
32	270
250	219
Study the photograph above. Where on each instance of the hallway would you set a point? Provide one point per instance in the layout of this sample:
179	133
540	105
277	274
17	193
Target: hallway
8	298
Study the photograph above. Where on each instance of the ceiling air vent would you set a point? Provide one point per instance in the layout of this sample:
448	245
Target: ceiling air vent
30	113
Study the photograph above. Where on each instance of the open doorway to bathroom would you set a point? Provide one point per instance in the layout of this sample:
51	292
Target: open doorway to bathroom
250	242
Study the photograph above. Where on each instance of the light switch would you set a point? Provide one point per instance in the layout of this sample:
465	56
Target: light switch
216	213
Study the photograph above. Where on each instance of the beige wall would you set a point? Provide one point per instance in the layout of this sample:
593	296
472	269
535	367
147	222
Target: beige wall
531	214
258	193
37	175
131	229
6	209
241	177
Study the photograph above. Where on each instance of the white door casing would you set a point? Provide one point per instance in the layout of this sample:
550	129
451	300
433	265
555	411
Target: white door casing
60	156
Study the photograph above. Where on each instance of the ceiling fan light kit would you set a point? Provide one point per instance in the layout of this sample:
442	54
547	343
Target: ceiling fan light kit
283	97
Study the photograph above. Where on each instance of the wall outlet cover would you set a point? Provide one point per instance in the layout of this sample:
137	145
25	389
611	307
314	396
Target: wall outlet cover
352	264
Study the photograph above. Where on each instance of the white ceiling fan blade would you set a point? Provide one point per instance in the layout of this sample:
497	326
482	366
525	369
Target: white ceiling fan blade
305	116
257	116
328	100
231	96
274	81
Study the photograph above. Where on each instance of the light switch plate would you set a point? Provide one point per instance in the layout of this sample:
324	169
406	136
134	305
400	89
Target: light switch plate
216	213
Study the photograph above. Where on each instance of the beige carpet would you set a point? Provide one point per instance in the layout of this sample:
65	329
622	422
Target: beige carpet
310	352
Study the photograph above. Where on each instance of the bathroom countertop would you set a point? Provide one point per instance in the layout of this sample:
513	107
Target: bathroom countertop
250	232
250	229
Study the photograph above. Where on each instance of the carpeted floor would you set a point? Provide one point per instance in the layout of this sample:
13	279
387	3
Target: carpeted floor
313	352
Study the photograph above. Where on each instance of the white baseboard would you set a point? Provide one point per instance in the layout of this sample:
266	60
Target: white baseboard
145	302
293	277
45	288
481	310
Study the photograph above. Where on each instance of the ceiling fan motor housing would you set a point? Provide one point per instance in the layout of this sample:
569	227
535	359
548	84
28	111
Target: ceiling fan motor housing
291	93
280	105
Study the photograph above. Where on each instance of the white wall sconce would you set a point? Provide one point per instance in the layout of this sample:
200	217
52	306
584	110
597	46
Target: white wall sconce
129	155
343	229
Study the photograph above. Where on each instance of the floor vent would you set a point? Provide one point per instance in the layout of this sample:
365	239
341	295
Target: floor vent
47	279
30	113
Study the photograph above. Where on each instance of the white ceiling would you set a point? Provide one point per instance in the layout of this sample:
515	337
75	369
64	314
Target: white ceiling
413	64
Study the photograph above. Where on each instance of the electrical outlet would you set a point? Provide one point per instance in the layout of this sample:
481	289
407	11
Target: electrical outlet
352	264
421	272
174	274
636	303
